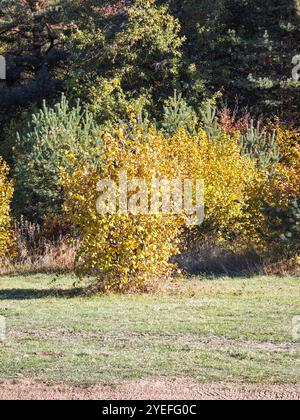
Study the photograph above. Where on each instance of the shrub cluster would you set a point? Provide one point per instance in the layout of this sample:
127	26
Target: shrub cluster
121	249
251	175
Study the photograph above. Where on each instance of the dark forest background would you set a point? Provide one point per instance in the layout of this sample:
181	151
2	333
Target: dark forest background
112	54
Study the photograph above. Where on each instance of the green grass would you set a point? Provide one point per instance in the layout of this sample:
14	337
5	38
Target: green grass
236	330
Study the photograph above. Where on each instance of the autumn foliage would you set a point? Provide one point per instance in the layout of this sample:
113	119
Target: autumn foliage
6	192
122	250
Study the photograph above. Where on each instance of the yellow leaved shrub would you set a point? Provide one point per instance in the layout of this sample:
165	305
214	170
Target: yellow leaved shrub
125	250
6	192
288	176
268	217
229	177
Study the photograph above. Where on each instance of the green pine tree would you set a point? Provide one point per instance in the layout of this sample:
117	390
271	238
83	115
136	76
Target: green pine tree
244	49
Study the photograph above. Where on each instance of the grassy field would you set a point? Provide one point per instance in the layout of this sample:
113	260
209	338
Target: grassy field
237	330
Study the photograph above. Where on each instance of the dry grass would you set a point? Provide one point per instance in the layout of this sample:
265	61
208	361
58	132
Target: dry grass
286	266
207	256
36	253
204	255
39	251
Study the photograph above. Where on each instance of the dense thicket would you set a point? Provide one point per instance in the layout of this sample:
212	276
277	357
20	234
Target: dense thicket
155	66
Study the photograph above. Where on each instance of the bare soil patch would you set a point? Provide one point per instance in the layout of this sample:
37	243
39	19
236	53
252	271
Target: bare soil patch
150	390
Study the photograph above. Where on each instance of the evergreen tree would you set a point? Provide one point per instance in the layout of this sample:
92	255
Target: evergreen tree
124	53
41	153
243	48
31	41
30	36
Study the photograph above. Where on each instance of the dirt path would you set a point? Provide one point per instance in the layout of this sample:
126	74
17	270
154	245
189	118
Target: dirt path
153	390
